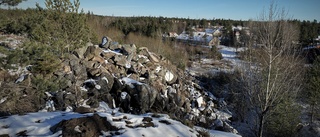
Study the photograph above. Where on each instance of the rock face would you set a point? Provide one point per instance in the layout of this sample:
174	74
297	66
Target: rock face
135	81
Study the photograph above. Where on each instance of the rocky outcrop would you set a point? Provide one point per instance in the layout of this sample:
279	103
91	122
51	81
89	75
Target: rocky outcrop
134	80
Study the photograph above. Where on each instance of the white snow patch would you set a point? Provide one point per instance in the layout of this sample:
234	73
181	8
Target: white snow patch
97	87
105	79
200	101
128	65
3	100
69	109
49	104
83	89
158	69
169	76
77	129
130	82
112	51
124	95
18	123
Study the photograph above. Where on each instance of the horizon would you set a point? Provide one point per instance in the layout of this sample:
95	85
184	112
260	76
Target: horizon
204	9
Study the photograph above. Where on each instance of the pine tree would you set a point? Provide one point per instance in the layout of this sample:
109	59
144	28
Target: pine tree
313	86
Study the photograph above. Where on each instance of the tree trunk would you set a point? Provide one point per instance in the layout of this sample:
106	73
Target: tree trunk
312	113
261	122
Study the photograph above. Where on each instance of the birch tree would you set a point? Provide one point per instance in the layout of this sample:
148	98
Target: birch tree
272	73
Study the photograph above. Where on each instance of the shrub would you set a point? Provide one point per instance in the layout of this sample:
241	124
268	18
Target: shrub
283	119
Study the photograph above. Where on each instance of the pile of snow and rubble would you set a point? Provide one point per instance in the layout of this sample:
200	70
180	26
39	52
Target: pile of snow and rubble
133	80
104	122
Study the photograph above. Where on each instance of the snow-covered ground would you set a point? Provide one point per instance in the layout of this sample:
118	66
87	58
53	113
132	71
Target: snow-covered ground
39	124
228	64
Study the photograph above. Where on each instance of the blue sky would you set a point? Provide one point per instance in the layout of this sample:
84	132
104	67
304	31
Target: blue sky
196	9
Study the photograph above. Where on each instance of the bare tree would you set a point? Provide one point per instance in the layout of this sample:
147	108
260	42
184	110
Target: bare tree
272	73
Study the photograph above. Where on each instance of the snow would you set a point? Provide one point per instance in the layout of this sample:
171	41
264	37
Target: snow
158	69
117	52
130	82
200	101
38	124
124	95
3	100
169	76
105	79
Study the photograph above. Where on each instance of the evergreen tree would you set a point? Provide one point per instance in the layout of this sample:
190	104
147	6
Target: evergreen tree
10	2
313	86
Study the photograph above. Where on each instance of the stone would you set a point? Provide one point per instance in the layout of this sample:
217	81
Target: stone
79	70
125	100
91	52
120	60
129	49
108	55
80	52
115	46
98	59
105	42
94	72
106	82
88	64
147	96
170	77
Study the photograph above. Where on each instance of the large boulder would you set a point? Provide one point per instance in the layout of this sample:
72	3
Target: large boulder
142	95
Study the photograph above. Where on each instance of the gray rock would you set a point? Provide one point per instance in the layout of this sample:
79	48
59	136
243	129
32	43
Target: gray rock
106	82
120	60
147	96
91	52
105	42
129	50
94	72
114	46
80	52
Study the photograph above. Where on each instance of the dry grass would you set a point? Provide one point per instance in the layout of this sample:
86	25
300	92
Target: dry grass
168	49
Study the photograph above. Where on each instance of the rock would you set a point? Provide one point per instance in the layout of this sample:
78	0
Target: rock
91	52
89	64
106	82
79	70
151	56
115	46
83	110
94	72
228	128
120	60
125	100
107	97
98	59
129	49
108	55
147	96
105	42
170	77
84	126
79	52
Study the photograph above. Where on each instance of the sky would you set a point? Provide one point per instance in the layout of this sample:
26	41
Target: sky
195	9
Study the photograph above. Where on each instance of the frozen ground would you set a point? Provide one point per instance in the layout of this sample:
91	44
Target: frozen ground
210	66
38	124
